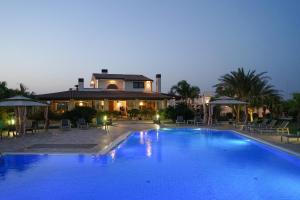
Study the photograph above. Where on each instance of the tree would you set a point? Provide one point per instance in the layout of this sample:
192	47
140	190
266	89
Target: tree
250	86
77	113
6	92
185	90
23	91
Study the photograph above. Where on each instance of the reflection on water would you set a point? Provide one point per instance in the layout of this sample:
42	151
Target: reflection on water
113	154
157	135
141	137
19	163
145	139
148	147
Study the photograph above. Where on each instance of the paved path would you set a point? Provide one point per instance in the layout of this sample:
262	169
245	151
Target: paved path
92	140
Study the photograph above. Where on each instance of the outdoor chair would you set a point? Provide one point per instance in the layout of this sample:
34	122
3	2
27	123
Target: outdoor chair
180	120
65	124
29	126
198	120
13	129
256	126
263	124
251	125
82	124
282	128
267	127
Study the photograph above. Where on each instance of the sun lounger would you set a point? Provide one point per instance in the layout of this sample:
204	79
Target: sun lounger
29	126
251	125
282	128
180	120
255	125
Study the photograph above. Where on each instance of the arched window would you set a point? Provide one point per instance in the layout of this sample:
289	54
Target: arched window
112	87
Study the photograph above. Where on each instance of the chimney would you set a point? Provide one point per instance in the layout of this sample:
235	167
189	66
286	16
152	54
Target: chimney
104	71
158	83
80	84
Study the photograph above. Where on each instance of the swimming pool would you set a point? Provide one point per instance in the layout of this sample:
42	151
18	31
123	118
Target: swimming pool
158	164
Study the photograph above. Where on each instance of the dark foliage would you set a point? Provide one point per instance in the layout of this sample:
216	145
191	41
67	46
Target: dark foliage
86	113
180	109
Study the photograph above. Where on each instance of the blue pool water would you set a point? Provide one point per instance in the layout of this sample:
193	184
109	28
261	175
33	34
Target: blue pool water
158	164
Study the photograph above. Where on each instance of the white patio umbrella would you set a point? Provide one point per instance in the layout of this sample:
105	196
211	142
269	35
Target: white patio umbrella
21	103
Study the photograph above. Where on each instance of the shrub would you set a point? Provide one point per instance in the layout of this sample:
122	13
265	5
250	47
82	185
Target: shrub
114	114
180	109
39	116
147	113
162	113
86	113
133	113
101	114
4	114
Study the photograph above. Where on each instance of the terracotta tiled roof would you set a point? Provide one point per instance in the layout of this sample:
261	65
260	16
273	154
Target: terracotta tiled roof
94	95
126	77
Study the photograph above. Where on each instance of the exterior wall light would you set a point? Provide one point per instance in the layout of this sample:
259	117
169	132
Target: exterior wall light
105	118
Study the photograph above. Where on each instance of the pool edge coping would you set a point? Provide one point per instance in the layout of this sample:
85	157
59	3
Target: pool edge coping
125	136
114	143
291	152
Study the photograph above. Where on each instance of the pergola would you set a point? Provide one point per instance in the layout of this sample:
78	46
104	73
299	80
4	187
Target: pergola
20	104
224	101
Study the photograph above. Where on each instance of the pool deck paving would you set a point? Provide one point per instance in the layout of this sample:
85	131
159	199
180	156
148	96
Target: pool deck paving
99	141
92	140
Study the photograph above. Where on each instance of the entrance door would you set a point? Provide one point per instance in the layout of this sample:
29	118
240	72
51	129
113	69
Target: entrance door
110	106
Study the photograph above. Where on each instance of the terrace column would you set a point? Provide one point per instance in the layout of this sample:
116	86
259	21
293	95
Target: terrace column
209	115
71	104
164	104
205	120
106	105
246	114
159	105
136	104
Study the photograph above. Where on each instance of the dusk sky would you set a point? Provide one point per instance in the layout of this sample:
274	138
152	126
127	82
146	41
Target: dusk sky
48	45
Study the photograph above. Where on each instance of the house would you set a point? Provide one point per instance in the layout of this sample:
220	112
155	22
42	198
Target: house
111	92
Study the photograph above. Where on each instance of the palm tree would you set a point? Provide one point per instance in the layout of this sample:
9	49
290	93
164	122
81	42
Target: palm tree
23	91
185	91
248	86
4	91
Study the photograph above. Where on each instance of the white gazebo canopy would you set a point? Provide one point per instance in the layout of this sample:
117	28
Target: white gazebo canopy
225	101
20	101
